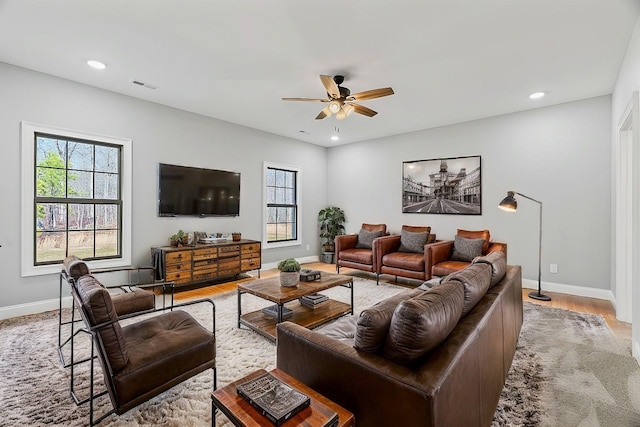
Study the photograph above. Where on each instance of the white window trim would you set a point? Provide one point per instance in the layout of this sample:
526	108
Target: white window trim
298	241
28	131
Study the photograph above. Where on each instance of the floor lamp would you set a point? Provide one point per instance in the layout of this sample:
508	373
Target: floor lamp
510	204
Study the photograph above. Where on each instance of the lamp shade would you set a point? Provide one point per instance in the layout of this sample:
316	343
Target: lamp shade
509	203
334	106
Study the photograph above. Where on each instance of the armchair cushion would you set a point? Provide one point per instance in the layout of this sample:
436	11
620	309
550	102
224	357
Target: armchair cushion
75	267
373	323
421	323
97	304
365	238
133	302
413	241
466	249
477	234
404	260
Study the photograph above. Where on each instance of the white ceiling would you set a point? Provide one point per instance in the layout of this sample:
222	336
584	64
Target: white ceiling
448	61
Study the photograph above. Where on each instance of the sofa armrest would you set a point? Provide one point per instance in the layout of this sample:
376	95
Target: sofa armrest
345	241
322	362
438	252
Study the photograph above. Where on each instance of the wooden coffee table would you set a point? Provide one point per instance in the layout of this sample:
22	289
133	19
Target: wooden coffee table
242	414
270	289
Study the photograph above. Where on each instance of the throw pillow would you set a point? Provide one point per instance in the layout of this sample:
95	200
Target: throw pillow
466	249
423	322
412	242
373	323
366	238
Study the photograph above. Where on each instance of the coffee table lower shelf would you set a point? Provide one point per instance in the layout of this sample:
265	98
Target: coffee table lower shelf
304	316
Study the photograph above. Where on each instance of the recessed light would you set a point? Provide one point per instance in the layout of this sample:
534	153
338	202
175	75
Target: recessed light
335	138
537	95
96	64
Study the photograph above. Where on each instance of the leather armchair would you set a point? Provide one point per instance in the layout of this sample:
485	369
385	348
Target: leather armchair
348	254
439	254
412	265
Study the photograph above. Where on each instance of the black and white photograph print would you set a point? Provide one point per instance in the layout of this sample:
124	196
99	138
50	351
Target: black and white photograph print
442	186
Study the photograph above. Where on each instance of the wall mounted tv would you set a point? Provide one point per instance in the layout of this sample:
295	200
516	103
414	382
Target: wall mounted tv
186	190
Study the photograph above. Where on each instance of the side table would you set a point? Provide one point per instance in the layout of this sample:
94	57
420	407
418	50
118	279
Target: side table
242	414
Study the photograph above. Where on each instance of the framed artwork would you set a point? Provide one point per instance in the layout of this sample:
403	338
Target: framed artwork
442	186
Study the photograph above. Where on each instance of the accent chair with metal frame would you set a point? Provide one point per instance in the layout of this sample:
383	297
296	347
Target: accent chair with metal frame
141	359
406	260
357	250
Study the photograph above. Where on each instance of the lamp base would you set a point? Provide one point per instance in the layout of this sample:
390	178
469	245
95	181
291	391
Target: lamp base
541	297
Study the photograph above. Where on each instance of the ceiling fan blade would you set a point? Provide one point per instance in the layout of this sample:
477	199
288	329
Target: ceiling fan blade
306	99
361	109
371	94
324	113
330	86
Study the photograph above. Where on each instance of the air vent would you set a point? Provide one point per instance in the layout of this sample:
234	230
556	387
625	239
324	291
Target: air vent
139	83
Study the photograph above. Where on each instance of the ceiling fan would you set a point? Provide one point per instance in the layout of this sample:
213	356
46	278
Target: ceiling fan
341	101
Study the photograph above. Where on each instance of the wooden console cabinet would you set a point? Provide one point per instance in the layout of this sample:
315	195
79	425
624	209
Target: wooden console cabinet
206	262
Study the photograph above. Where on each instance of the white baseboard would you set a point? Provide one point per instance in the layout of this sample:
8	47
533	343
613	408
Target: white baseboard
561	288
33	307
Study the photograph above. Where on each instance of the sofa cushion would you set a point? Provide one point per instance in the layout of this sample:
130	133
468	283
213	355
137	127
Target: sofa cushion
97	303
404	260
75	267
466	249
343	329
361	256
373	323
498	263
421	323
413	241
476	279
476	234
365	238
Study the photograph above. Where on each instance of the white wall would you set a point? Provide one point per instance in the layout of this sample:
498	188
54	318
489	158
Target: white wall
558	155
628	82
159	134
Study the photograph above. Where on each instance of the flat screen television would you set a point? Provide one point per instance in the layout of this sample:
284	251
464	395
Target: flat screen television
186	190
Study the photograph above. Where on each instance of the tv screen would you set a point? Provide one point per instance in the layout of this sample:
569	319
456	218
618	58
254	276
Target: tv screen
195	191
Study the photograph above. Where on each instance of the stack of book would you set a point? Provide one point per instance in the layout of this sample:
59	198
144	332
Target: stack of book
273	398
272	311
313	300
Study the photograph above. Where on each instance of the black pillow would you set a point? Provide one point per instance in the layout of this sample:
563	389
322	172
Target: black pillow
365	238
413	242
466	249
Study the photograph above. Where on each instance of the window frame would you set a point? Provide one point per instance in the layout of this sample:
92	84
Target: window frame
28	202
266	244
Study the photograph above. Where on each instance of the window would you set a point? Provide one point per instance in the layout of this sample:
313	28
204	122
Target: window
76	200
281	205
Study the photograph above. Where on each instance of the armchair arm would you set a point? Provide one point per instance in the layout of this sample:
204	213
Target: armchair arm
384	245
345	241
438	252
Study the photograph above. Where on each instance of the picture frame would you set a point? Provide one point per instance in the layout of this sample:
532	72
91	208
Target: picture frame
450	186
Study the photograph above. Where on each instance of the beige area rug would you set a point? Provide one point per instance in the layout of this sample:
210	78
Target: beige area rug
549	383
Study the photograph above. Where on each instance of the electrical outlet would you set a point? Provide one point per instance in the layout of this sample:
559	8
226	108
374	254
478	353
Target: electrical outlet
307	247
553	268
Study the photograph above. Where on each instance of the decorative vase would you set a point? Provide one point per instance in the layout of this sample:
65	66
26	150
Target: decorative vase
289	279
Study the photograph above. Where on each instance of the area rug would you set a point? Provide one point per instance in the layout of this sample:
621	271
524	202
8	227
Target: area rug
561	356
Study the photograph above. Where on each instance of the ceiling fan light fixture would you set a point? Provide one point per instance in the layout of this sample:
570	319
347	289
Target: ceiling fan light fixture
348	109
341	114
334	106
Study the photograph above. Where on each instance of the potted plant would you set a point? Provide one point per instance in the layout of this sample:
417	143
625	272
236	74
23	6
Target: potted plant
178	239
331	221
289	272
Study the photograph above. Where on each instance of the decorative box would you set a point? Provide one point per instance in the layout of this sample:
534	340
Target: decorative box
309	275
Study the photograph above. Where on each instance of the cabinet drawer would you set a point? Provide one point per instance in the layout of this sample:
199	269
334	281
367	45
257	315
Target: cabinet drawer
179	277
204	275
229	250
178	257
250	264
175	268
251	248
205	253
205	263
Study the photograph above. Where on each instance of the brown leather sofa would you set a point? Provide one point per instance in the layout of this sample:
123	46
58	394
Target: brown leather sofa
392	260
439	255
352	252
458	383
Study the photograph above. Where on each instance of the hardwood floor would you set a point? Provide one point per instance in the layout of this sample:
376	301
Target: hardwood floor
569	302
